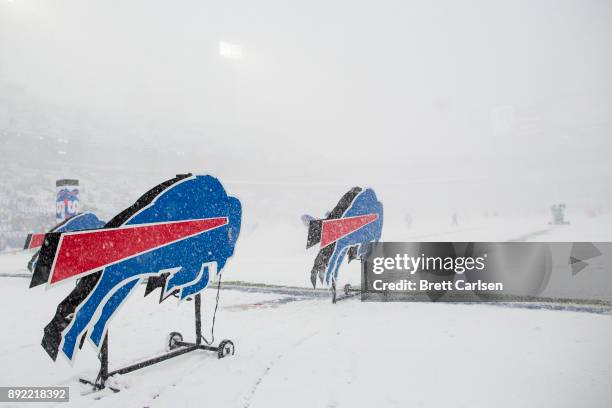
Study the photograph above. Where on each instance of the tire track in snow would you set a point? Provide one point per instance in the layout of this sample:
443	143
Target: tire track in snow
249	398
530	235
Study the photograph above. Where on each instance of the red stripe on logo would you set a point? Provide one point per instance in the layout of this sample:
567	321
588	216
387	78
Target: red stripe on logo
333	230
36	240
81	252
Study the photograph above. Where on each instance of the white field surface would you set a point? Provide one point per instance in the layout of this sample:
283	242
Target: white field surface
310	353
315	354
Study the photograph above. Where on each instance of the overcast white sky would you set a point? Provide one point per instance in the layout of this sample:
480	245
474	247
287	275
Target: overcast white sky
386	90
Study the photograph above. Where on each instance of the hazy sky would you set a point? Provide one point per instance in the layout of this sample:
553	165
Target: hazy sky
419	89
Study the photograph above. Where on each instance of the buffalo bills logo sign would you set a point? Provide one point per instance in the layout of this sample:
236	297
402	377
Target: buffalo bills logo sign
187	225
356	220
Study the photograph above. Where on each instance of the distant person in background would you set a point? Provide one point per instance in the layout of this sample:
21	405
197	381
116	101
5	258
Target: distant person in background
455	220
408	221
558	214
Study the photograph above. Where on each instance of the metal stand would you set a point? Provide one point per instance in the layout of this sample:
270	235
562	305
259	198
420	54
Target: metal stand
349	292
333	290
175	343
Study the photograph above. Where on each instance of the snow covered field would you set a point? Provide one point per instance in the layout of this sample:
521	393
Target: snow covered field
315	354
309	353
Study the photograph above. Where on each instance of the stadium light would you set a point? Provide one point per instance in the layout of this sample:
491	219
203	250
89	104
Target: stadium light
229	50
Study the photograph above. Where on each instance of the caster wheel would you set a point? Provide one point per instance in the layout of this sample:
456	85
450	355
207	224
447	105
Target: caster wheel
347	289
172	341
226	348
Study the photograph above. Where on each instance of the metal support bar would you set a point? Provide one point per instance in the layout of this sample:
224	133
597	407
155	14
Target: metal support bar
104	360
333	288
154	360
198	319
185	347
200	346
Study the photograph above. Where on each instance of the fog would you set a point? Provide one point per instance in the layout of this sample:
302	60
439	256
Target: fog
454	105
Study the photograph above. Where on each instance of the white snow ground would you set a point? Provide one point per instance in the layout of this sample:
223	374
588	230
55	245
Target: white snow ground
310	353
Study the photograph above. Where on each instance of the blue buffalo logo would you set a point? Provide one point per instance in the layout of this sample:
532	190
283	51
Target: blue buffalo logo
175	236
354	222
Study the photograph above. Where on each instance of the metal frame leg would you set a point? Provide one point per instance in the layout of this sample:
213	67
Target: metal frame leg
184	347
333	290
198	319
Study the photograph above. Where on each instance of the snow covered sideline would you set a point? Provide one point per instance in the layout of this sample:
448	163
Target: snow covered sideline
314	354
309	353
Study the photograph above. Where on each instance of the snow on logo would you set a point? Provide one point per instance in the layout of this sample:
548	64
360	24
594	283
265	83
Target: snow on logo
178	233
355	221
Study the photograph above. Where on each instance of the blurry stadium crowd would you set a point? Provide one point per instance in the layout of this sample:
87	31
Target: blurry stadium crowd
27	199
